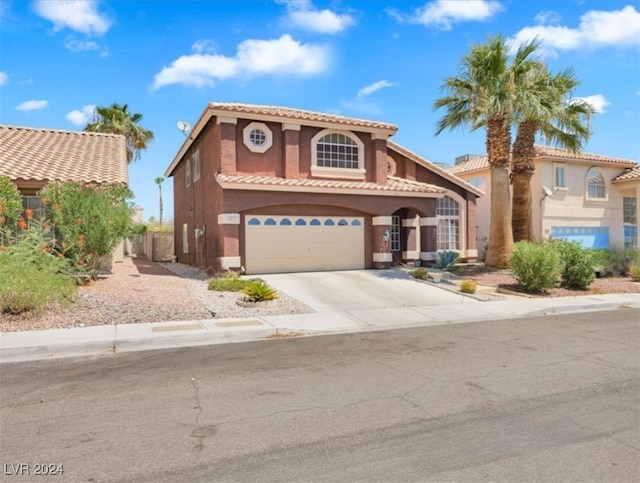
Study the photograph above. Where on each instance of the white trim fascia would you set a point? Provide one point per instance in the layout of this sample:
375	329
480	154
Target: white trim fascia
378	135
382	257
471	252
381	221
288	126
229	219
411	222
229	262
338	173
429	221
317	189
427	256
226	120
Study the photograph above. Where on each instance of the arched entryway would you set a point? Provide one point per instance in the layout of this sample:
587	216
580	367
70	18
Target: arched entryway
404	235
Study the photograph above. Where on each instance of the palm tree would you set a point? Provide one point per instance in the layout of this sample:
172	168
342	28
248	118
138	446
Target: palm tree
483	95
116	119
159	180
543	106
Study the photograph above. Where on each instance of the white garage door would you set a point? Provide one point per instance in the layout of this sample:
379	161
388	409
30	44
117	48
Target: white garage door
275	244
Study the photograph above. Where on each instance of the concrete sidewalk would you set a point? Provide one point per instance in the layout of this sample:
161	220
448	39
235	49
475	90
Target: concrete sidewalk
106	339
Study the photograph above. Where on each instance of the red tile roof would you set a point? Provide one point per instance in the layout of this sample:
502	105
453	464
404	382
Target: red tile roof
52	155
629	175
394	186
482	162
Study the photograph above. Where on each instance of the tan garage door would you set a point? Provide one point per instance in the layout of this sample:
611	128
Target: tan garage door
275	244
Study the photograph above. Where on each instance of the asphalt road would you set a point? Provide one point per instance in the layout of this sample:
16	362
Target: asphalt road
542	399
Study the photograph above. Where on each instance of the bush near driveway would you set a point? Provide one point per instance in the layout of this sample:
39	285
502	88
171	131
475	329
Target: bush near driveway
578	264
536	266
230	283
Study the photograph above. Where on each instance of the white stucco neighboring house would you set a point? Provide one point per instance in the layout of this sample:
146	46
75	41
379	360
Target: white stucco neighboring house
585	197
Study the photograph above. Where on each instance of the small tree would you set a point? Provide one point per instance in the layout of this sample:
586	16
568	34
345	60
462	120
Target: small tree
159	180
10	203
90	220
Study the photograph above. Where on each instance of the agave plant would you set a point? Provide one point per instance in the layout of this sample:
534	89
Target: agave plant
445	260
259	291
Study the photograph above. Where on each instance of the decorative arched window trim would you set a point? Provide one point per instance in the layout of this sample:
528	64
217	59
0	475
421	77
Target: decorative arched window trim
330	172
249	142
391	166
594	190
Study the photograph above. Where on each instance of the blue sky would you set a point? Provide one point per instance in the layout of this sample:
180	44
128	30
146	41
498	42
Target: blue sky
378	59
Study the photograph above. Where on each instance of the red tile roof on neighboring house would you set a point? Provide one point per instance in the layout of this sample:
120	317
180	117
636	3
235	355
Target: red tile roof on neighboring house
482	162
629	175
395	186
52	155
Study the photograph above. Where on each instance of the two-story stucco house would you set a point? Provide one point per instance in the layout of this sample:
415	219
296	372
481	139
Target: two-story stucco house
274	189
584	197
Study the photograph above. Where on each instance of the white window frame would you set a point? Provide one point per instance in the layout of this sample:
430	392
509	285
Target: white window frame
335	172
392	167
449	226
187	173
589	185
248	141
394	233
630	220
559	180
196	165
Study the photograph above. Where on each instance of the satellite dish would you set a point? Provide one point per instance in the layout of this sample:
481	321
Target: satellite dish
547	191
184	127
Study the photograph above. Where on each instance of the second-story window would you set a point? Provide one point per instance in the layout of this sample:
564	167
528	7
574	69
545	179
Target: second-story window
337	154
196	165
596	188
187	173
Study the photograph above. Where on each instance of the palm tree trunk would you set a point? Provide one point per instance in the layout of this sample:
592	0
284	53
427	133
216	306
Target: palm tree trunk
521	221
500	232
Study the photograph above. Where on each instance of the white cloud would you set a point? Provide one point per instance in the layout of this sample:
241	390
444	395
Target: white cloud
597	29
444	13
4	78
32	105
204	46
75	45
597	102
302	14
548	17
79	15
82	116
371	88
276	57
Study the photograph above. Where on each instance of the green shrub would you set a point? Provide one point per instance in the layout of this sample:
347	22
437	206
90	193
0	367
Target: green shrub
419	273
29	289
10	203
618	261
578	265
446	260
229	283
259	291
634	273
536	266
468	286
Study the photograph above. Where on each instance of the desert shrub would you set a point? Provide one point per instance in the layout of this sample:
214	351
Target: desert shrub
578	265
259	291
420	273
634	273
90	220
446	260
468	286
536	266
32	290
616	261
230	282
10	203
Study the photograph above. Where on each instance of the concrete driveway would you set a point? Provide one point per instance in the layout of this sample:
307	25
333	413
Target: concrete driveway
360	290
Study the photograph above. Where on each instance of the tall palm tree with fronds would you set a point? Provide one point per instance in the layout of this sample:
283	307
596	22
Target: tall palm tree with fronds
483	95
159	180
543	108
116	119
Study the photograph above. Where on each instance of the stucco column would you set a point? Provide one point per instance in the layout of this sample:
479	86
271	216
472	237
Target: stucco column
472	227
291	150
380	158
229	241
411	227
227	144
381	226
428	237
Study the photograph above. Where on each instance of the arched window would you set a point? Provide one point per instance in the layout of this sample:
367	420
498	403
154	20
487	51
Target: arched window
337	154
448	216
595	185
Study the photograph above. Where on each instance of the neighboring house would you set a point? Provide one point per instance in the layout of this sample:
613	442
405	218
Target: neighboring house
34	157
585	197
273	189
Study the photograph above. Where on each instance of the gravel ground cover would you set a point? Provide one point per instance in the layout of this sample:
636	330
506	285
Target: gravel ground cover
139	291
